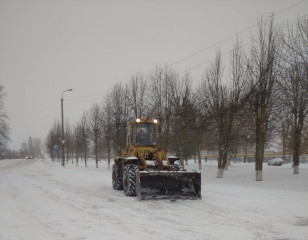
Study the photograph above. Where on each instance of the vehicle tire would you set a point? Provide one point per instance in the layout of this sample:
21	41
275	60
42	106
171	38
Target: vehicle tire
129	179
176	167
117	177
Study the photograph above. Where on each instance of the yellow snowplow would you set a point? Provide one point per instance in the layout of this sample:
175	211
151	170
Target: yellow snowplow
145	171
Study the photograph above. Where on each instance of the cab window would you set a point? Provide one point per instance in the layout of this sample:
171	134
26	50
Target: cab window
146	134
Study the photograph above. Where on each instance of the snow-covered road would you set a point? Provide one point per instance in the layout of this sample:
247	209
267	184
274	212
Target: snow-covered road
41	200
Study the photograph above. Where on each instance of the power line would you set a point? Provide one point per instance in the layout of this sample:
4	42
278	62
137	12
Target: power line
85	98
208	61
213	45
232	36
228	52
294	5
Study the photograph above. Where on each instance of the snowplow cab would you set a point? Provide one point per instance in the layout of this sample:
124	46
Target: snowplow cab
144	170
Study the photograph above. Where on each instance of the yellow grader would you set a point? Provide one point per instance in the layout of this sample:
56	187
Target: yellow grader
144	170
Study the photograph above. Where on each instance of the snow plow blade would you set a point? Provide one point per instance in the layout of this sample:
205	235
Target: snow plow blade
168	185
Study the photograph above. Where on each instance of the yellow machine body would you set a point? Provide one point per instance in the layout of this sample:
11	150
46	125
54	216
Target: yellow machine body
144	170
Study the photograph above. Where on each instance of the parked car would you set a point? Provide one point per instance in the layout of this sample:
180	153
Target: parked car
275	162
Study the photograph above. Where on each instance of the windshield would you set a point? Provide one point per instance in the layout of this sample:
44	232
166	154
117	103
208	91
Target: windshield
146	134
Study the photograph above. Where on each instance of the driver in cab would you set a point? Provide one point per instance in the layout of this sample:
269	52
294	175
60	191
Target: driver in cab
142	137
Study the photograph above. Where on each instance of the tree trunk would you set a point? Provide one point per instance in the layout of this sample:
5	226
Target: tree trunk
85	154
199	156
297	146
227	165
259	151
260	139
220	173
109	151
284	138
221	165
166	142
96	148
259	176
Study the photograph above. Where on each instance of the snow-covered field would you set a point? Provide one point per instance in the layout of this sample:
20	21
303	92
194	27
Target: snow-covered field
41	200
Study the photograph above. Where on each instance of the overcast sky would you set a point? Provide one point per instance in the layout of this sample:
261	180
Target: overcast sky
48	46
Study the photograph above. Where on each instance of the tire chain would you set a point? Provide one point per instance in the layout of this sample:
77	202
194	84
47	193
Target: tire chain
176	167
117	177
132	170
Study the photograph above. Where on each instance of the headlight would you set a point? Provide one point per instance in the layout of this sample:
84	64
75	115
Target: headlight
155	121
138	120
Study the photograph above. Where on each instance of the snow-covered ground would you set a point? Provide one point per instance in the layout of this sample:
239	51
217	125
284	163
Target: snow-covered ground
41	200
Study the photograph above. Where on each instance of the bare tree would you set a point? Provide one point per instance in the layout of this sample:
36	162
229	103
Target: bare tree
183	118
107	126
4	126
235	98
285	134
138	86
202	123
69	141
263	67
78	141
121	112
295	82
83	125
159	95
219	110
95	129
53	139
221	103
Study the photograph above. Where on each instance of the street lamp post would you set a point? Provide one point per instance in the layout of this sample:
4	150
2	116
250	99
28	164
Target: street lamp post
62	137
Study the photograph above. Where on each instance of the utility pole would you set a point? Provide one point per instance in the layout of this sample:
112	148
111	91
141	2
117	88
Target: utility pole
62	137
